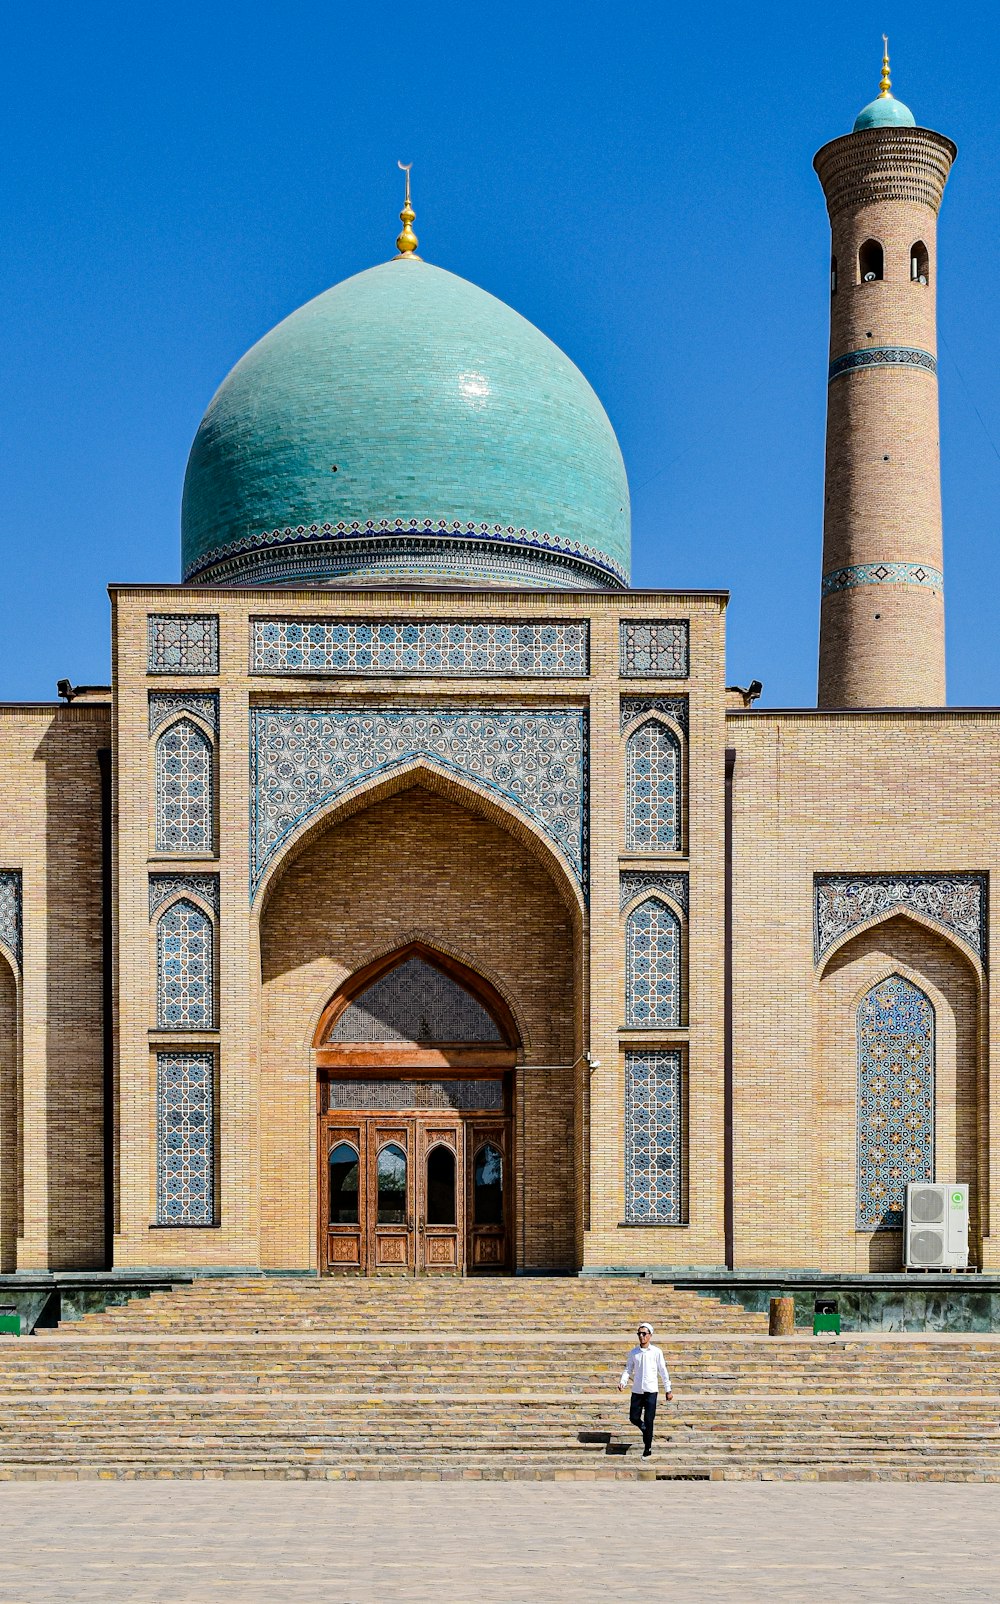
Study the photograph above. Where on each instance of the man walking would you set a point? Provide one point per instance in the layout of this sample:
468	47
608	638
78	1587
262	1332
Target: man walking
645	1367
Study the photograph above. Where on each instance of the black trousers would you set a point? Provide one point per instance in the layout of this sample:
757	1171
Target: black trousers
642	1413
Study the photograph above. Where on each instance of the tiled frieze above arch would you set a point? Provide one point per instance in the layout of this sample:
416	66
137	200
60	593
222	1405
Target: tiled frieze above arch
534	759
449	646
183	643
633	882
633	707
162	887
10	913
957	902
165	705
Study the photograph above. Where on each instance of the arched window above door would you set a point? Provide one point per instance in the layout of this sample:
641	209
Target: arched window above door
415	1002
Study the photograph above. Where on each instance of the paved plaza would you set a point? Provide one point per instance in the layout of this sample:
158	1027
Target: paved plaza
192	1543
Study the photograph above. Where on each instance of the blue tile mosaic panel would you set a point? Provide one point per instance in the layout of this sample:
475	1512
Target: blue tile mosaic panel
415	1002
449	646
652	789
185	1139
633	707
652	966
654	650
895	1099
303	759
185	985
883	574
184	790
11	913
633	882
165	705
164	887
183	643
654	1138
957	902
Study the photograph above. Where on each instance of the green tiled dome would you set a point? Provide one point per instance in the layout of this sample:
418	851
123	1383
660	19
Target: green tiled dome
884	112
406	427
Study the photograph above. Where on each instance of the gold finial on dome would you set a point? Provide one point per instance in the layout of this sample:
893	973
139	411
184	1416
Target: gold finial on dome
406	243
885	82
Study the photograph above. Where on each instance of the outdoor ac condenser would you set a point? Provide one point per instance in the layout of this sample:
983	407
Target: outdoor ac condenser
936	1226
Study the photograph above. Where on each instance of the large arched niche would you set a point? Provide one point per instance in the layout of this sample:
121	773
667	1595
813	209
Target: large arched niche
9	1093
947	975
425	862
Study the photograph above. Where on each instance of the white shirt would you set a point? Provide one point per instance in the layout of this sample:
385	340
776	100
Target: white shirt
644	1367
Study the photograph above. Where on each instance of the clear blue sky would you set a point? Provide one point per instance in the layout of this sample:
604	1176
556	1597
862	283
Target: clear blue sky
635	179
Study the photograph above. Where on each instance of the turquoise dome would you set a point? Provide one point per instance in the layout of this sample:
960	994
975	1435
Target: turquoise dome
885	112
406	427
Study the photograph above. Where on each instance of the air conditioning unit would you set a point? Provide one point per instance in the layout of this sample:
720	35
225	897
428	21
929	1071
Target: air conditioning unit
936	1226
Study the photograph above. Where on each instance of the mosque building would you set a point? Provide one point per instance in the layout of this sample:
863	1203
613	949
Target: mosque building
419	898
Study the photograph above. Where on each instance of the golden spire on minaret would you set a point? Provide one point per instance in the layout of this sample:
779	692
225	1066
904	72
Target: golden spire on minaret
406	243
885	82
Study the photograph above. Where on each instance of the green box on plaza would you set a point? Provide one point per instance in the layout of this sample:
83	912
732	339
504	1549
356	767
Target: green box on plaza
10	1323
826	1322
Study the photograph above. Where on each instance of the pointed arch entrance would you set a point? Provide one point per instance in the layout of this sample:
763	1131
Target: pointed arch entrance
414	1059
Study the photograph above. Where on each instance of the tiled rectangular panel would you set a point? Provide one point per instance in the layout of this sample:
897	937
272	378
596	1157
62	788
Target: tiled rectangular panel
183	643
185	1139
654	650
442	647
654	1138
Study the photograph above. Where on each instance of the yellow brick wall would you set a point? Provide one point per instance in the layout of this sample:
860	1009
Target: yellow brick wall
51	1059
848	793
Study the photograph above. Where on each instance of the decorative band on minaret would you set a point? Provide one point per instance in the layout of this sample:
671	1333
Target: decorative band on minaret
882	613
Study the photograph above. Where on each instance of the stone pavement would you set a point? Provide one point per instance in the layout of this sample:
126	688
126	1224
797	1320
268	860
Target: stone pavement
351	1543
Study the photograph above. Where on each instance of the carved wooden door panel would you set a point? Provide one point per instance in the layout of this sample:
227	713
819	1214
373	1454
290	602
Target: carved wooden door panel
343	1194
489	1193
390	1211
440	1195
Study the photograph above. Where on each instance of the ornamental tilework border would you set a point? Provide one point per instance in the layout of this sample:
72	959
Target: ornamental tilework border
163	705
633	707
654	1138
883	574
399	562
654	650
955	901
632	882
881	356
183	643
895	1100
439	647
11	913
302	759
162	887
185	1139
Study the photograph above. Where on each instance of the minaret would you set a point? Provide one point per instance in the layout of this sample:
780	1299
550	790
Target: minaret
882	617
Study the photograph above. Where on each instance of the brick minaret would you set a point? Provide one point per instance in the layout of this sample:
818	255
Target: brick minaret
882	618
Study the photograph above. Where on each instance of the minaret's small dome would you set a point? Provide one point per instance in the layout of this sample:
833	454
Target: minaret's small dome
406	428
885	112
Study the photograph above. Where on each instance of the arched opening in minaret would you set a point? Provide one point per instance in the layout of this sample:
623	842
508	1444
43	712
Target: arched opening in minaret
920	266
833	275
871	261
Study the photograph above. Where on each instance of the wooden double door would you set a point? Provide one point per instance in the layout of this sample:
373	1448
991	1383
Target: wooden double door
415	1192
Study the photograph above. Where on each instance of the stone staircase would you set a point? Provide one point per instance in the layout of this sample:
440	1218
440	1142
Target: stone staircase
490	1379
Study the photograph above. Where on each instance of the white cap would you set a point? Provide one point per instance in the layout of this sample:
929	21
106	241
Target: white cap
644	1325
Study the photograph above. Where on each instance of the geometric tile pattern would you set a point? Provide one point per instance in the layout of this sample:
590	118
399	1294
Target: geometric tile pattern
654	1138
882	574
652	966
185	1139
880	356
303	758
184	790
10	913
393	1094
895	1100
955	901
183	643
164	704
164	887
415	1002
652	775
632	882
633	707
184	969
446	646
651	651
